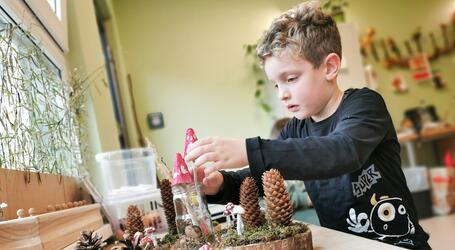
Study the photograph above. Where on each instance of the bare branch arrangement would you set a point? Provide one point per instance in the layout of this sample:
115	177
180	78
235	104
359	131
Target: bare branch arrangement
42	125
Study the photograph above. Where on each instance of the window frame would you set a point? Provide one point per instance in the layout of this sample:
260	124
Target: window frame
38	18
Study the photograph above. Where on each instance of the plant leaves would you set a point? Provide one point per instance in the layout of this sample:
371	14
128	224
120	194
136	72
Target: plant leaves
266	107
257	94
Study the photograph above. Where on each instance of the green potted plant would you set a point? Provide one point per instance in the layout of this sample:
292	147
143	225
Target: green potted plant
335	8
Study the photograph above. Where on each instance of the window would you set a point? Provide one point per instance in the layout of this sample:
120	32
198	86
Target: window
55	6
37	129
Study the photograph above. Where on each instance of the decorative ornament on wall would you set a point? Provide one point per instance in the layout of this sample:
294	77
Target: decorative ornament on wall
399	84
438	82
420	67
371	77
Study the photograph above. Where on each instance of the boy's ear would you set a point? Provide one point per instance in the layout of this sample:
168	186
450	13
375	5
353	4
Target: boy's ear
332	66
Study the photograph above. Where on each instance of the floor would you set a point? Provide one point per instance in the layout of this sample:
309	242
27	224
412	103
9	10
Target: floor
441	230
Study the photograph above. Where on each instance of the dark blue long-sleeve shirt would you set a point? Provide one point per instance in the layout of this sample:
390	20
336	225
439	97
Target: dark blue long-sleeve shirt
351	166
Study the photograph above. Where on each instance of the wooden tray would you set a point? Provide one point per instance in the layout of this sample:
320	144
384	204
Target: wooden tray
54	230
301	241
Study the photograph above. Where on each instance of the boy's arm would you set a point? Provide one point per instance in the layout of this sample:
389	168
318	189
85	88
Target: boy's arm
364	124
230	190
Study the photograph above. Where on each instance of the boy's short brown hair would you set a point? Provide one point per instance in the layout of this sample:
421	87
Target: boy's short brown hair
306	31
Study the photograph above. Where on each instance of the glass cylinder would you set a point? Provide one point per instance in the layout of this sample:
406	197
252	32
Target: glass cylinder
192	217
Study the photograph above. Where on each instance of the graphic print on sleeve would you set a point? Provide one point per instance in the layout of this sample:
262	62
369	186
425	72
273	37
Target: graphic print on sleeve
388	219
366	180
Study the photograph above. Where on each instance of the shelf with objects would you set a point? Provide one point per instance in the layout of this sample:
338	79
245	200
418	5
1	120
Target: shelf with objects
429	145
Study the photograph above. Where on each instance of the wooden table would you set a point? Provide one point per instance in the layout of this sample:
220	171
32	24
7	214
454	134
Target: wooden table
324	238
441	230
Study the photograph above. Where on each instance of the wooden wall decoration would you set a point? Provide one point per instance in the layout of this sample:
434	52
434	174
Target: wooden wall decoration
392	56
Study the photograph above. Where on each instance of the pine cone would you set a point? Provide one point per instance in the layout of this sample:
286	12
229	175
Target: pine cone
249	200
90	240
134	220
279	207
168	203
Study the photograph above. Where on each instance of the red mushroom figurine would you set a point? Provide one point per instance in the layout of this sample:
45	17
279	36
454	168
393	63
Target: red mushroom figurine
189	138
181	173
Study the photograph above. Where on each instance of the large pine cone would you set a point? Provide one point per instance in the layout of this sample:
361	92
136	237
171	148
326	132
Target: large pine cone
134	220
90	240
168	203
279	207
249	200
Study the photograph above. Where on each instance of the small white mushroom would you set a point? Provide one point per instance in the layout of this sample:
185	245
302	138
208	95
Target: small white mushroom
228	213
238	210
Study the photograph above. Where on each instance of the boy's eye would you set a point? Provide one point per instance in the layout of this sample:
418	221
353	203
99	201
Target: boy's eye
291	79
276	86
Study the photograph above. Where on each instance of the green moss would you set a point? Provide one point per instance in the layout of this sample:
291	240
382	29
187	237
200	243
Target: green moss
229	237
265	233
168	239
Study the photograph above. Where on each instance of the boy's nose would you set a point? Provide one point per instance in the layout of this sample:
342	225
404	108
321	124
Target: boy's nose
283	94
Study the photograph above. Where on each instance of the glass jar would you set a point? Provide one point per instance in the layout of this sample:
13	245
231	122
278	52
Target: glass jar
192	217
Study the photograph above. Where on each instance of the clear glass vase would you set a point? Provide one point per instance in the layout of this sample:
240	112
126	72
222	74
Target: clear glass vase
192	217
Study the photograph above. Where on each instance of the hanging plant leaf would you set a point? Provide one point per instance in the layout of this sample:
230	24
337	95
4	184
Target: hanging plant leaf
266	107
257	93
250	50
326	5
256	68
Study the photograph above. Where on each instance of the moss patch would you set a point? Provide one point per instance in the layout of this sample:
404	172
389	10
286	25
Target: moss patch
229	237
264	233
168	240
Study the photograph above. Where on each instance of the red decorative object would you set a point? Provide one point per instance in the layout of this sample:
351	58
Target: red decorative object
147	240
189	138
399	84
150	230
448	159
181	173
228	209
420	68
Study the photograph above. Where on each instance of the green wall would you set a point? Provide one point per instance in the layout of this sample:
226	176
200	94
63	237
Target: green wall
186	60
86	55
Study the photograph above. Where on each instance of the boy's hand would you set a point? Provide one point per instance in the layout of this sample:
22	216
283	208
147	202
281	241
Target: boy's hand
212	183
223	152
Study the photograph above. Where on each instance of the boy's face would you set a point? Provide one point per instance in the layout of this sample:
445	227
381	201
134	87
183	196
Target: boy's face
304	90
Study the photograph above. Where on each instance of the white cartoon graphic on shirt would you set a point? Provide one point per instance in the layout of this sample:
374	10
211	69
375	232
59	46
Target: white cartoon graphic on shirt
388	218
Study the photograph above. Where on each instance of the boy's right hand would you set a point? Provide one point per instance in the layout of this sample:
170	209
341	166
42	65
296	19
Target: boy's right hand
212	183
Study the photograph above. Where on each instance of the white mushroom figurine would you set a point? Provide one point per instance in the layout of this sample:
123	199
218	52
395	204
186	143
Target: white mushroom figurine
228	213
238	210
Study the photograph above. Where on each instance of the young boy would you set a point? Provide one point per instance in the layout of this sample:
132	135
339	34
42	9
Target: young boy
342	144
